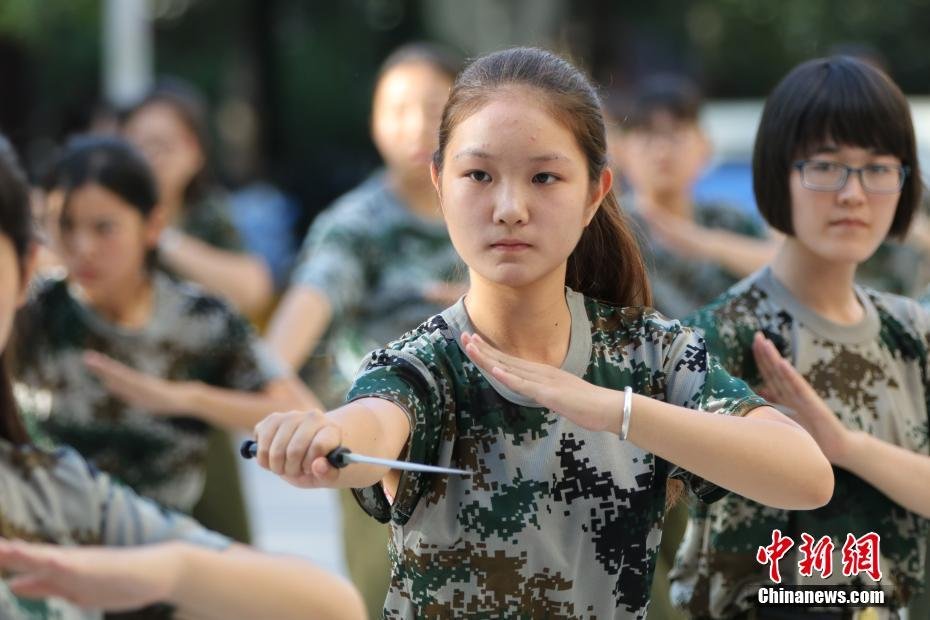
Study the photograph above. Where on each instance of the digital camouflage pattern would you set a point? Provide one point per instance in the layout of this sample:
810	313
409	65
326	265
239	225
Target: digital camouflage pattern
377	263
191	336
57	498
895	267
210	220
557	521
682	284
874	376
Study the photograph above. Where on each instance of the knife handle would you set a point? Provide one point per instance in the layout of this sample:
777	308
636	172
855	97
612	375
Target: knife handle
336	458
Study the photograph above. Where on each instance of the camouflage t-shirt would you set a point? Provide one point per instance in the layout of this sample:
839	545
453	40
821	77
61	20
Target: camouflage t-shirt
874	376
57	498
191	336
376	261
210	221
681	284
557	521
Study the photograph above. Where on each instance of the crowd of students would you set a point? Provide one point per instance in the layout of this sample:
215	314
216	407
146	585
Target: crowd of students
643	389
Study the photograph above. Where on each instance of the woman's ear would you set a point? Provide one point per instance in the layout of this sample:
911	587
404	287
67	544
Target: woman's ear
435	177
603	186
30	262
155	223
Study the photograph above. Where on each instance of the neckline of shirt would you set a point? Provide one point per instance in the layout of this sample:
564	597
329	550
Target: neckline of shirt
160	285
579	345
864	331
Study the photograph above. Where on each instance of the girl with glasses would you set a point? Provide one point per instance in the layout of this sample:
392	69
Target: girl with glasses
835	169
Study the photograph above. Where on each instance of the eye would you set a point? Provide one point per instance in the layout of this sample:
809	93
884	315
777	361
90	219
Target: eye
881	169
823	166
545	178
103	228
479	176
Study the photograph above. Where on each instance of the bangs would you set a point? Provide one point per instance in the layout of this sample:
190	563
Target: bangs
849	107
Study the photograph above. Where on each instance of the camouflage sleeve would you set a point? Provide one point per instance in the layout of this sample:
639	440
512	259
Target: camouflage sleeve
415	386
728	338
696	380
211	222
332	260
250	363
126	519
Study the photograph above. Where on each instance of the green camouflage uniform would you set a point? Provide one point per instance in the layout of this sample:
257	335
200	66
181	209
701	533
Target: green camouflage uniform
222	505
874	375
557	521
375	260
210	221
190	336
56	497
681	284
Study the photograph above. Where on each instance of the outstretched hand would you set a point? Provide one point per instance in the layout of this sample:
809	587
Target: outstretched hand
589	406
137	389
784	385
90	577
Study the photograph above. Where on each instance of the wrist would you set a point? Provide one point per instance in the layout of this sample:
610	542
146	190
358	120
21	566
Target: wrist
178	568
189	398
848	448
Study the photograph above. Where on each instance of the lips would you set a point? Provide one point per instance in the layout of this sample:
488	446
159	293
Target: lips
850	222
510	245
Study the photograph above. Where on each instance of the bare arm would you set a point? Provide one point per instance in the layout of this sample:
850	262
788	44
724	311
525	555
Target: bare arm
876	461
298	324
294	444
233	409
738	254
202	583
243	279
763	456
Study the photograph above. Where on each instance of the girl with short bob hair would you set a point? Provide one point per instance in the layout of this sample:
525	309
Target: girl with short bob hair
529	379
836	170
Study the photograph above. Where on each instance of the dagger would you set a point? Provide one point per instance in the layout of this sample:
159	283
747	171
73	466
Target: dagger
342	457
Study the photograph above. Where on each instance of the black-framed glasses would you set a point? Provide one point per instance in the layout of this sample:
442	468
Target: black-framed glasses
830	176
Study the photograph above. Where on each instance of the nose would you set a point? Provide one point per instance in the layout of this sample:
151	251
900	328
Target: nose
852	192
79	244
510	207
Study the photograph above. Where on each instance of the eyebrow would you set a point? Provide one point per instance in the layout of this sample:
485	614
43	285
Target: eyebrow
485	155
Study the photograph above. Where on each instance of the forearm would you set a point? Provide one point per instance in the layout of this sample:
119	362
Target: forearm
373	427
738	254
900	474
763	456
241	278
242	583
239	410
298	324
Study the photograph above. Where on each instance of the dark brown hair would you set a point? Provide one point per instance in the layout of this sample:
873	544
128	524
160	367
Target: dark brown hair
16	225
672	94
606	264
443	60
838	99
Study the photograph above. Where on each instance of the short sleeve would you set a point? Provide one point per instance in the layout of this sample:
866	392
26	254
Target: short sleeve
416	385
331	259
696	380
211	222
249	363
126	519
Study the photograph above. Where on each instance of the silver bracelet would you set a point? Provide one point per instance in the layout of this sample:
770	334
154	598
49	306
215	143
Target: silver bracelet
627	410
